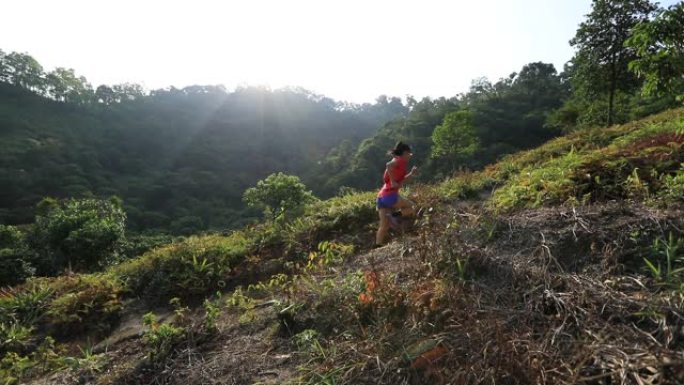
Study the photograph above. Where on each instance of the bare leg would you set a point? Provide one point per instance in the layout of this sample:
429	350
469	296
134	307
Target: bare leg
384	226
405	206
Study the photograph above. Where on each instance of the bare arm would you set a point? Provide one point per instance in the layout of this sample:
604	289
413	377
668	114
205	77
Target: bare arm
410	175
391	170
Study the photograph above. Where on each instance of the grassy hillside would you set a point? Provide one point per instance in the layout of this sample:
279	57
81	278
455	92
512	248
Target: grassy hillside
559	265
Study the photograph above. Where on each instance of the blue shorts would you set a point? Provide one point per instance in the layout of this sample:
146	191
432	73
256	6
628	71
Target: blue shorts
388	201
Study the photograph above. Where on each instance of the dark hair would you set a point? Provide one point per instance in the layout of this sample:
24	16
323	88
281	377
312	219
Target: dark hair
399	149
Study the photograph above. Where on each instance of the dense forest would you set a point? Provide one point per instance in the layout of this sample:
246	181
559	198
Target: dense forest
179	158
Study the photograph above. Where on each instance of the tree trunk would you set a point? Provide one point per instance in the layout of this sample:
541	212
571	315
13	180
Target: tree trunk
613	86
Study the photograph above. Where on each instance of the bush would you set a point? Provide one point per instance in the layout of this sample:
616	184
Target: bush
345	213
20	311
43	308
465	185
84	303
195	266
279	194
672	187
66	304
135	246
77	233
25	305
14	257
160	338
14	368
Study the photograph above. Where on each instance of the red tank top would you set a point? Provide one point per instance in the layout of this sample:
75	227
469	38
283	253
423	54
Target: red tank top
399	173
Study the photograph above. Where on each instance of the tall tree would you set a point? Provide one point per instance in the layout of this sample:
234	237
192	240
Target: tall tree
278	194
127	92
25	71
4	67
659	46
105	95
541	83
63	85
602	58
455	140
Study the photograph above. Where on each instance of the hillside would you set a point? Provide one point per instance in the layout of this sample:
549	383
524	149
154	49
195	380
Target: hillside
179	158
558	265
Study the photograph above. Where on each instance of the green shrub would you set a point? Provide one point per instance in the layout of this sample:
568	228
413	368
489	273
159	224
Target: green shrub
195	266
672	187
16	368
15	337
160	339
666	263
465	185
328	254
15	257
25	304
77	233
211	313
345	213
84	303
66	304
279	194
137	245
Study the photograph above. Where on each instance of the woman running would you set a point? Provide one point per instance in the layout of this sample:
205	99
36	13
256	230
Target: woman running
390	205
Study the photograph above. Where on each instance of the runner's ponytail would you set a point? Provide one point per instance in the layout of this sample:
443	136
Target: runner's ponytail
399	149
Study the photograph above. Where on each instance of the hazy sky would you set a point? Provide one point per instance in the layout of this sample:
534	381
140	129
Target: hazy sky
349	50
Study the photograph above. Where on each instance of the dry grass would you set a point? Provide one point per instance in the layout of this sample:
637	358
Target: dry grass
553	294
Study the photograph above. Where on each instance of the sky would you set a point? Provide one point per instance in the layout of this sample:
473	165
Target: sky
351	50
